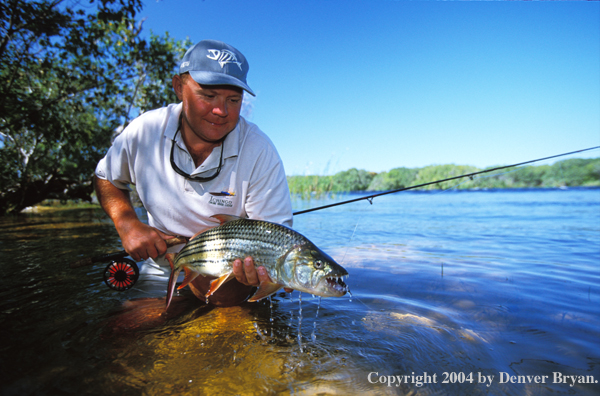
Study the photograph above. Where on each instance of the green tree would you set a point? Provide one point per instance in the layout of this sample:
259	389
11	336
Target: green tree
352	180
440	172
395	179
573	172
71	76
530	176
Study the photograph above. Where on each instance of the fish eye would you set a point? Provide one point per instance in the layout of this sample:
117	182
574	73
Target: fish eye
318	264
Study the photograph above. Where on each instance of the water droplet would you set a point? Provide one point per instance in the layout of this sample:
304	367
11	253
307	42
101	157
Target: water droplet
318	307
300	322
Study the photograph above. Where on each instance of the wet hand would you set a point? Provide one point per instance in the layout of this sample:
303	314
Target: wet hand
246	273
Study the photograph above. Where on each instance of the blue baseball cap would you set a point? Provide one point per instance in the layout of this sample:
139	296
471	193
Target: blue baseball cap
212	62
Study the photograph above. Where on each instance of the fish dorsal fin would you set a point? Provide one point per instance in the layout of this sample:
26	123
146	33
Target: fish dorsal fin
264	290
196	234
224	218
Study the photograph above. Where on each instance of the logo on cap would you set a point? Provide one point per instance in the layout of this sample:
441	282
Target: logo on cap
223	57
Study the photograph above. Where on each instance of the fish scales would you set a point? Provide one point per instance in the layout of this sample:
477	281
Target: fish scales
291	260
265	242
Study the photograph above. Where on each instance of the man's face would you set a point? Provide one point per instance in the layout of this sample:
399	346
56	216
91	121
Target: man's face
210	111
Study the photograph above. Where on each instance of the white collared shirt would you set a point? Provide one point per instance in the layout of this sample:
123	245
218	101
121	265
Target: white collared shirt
251	183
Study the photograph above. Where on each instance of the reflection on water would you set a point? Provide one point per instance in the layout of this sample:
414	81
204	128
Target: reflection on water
443	286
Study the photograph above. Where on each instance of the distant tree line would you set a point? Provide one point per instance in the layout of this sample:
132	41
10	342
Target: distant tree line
567	173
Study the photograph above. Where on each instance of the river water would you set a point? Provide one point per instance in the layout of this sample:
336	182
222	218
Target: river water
459	293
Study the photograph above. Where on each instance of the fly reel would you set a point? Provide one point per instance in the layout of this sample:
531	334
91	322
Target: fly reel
121	274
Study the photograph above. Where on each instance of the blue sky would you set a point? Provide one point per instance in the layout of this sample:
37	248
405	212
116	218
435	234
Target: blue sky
380	84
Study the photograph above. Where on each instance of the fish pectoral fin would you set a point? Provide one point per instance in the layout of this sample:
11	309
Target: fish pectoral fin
216	283
265	290
190	275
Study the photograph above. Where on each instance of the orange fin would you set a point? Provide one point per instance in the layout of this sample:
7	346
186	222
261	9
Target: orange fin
265	290
171	287
224	218
190	275
170	258
215	284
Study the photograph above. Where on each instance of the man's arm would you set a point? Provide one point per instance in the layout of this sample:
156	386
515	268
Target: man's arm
142	241
139	240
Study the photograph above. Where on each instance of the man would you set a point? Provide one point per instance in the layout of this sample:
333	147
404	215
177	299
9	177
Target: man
193	160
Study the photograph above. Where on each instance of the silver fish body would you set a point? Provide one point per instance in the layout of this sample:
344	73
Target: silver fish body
290	259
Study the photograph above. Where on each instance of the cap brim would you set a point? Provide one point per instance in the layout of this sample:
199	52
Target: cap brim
212	78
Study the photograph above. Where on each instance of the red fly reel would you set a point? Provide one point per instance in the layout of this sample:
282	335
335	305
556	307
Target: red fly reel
121	274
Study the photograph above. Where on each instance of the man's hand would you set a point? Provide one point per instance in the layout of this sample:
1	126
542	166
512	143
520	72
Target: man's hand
139	240
142	241
247	274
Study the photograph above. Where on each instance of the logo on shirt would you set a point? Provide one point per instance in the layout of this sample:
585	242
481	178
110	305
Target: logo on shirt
223	202
223	57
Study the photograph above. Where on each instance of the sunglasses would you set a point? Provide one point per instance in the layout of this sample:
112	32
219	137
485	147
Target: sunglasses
187	175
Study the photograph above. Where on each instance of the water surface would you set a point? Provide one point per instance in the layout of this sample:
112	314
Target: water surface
461	286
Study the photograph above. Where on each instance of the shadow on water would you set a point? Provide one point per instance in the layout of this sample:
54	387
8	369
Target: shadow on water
431	304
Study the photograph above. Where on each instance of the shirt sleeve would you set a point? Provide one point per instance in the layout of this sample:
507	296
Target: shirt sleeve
117	165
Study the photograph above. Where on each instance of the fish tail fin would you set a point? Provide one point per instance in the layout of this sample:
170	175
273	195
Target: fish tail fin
216	283
265	290
171	287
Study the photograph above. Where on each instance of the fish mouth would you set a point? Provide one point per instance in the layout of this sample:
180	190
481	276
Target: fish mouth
336	286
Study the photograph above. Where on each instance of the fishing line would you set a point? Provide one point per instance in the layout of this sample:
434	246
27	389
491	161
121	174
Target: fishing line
350	240
352	236
470	175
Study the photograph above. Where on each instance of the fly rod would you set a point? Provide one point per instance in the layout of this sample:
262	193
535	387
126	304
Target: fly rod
370	197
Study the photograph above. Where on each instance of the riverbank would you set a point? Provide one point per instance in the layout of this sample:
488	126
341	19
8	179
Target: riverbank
574	172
